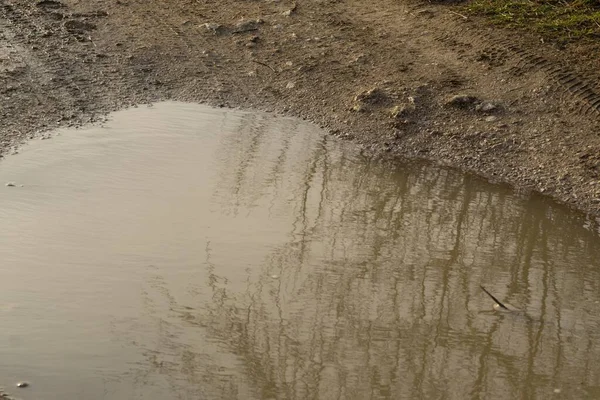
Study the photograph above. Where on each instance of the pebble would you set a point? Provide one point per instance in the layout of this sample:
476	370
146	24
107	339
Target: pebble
461	100
245	25
212	27
10	184
491	118
22	384
486	106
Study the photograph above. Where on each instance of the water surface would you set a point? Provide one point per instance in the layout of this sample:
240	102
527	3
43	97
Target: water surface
182	252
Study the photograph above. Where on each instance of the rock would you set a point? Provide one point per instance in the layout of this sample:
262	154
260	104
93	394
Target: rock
74	26
491	118
462	101
403	110
213	27
371	96
290	85
50	4
10	184
22	384
247	25
288	13
357	108
486	107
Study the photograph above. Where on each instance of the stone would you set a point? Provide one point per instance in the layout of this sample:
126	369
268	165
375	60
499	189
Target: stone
213	27
247	25
371	96
75	26
400	111
461	101
486	107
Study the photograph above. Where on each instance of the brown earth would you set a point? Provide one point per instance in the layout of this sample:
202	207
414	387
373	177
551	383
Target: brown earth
403	79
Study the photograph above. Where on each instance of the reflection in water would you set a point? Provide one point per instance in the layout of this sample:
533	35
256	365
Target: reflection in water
377	290
296	270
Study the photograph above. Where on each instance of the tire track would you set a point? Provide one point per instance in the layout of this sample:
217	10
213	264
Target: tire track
46	66
193	56
583	90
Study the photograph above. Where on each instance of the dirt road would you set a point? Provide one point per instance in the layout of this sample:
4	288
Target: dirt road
402	79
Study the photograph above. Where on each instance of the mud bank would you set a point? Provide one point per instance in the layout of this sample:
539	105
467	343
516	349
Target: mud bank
403	80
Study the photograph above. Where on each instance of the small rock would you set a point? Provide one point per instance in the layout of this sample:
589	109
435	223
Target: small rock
461	101
404	110
486	107
212	27
247	25
290	85
274	276
372	96
491	118
11	184
75	26
50	4
556	390
357	108
22	384
400	111
289	12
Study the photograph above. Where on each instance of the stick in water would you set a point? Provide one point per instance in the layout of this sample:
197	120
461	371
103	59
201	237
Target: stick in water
495	299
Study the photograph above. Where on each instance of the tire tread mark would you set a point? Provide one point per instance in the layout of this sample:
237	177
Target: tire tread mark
581	89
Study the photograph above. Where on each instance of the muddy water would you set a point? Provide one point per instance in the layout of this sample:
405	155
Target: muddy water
181	252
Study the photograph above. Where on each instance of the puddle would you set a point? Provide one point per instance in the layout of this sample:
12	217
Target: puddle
185	252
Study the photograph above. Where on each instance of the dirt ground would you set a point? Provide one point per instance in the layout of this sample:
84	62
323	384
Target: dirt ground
403	79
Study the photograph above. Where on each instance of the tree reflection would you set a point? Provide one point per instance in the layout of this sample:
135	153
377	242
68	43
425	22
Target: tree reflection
375	291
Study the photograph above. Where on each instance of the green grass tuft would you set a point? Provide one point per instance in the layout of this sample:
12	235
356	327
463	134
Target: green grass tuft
565	20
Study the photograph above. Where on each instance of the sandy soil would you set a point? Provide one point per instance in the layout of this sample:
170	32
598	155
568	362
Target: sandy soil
402	79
